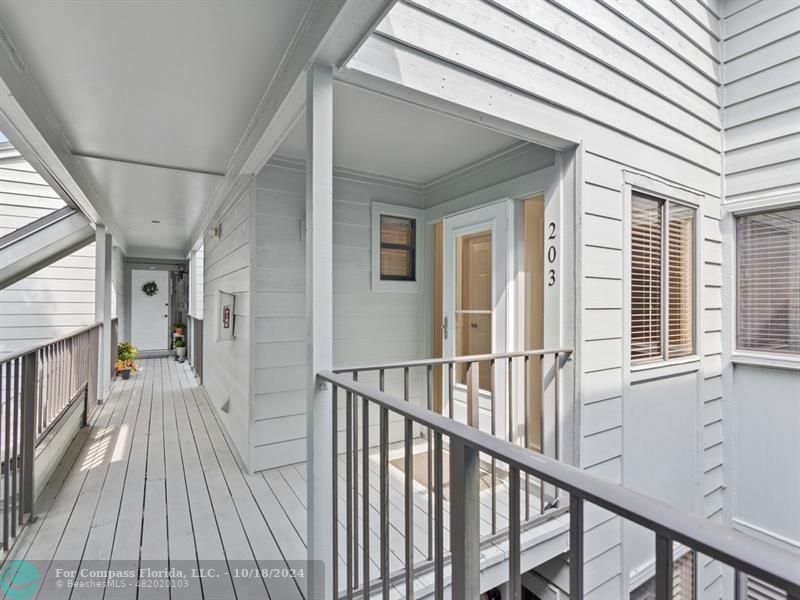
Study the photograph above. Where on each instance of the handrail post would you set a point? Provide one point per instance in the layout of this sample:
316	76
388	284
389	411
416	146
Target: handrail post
30	368
465	520
575	546
663	567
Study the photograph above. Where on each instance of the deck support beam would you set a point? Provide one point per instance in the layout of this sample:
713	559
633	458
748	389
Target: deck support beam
102	308
319	317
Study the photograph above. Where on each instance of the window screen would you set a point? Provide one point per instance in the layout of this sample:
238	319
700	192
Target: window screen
662	279
768	281
398	248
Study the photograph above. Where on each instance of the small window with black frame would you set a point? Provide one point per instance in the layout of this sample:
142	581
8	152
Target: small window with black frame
398	248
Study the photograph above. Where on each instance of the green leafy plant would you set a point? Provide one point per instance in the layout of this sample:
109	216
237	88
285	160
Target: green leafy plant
127	353
180	343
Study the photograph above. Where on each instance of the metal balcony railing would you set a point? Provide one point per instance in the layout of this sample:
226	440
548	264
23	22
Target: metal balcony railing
37	389
464	445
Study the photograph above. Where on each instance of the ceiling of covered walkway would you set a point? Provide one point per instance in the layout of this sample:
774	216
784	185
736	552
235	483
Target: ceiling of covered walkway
158	103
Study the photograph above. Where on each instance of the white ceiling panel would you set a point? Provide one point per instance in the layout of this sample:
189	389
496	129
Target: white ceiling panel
380	135
138	195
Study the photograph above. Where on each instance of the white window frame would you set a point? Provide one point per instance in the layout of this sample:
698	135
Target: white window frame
406	212
753	357
659	367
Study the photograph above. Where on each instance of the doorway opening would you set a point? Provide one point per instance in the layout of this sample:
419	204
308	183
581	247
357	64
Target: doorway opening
479	257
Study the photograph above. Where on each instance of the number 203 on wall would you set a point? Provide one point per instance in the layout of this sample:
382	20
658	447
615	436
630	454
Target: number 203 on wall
552	254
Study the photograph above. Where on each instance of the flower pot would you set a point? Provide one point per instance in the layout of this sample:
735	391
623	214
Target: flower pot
180	330
180	352
124	373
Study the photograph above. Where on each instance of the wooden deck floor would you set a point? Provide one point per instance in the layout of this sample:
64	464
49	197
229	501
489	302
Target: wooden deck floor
153	482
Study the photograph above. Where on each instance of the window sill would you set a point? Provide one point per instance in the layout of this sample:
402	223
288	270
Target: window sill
665	368
762	359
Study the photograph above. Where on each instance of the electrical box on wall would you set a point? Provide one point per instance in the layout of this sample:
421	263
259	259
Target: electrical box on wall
226	320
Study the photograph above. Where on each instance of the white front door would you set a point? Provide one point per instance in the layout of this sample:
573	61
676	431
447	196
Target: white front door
150	313
476	295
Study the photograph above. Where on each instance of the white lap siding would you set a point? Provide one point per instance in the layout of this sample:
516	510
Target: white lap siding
637	83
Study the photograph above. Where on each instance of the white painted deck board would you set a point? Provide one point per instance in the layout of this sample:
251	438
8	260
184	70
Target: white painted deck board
151	482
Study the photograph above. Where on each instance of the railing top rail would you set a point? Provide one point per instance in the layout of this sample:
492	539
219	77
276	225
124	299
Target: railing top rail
49	342
760	559
424	362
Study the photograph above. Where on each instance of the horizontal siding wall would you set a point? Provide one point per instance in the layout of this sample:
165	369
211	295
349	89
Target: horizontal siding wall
762	168
638	84
56	299
368	327
24	195
49	303
762	99
226	365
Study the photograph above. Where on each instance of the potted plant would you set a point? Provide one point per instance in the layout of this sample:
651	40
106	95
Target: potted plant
180	328
180	349
123	370
126	355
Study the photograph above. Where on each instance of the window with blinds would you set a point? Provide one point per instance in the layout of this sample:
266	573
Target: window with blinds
768	281
398	248
683	581
662	279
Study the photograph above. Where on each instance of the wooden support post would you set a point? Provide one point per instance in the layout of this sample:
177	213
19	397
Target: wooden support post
319	316
102	308
465	521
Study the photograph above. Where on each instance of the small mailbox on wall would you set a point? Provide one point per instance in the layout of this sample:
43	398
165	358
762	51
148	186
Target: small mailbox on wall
226	321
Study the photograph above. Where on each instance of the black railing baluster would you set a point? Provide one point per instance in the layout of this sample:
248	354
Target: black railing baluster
439	534
663	567
430	465
15	445
349	495
576	546
526	434
494	432
354	433
514	571
384	491
541	429
6	455
365	488
409	507
335	486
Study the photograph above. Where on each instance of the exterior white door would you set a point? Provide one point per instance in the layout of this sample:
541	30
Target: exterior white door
476	295
150	313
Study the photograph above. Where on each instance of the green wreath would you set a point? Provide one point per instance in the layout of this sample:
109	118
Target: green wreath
150	288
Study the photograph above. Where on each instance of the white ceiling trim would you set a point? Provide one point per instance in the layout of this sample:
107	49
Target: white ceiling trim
28	122
492	160
138	163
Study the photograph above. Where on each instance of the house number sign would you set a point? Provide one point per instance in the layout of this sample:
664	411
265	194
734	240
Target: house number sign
552	254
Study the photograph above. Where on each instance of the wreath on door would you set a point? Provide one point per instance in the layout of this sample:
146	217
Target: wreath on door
150	288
